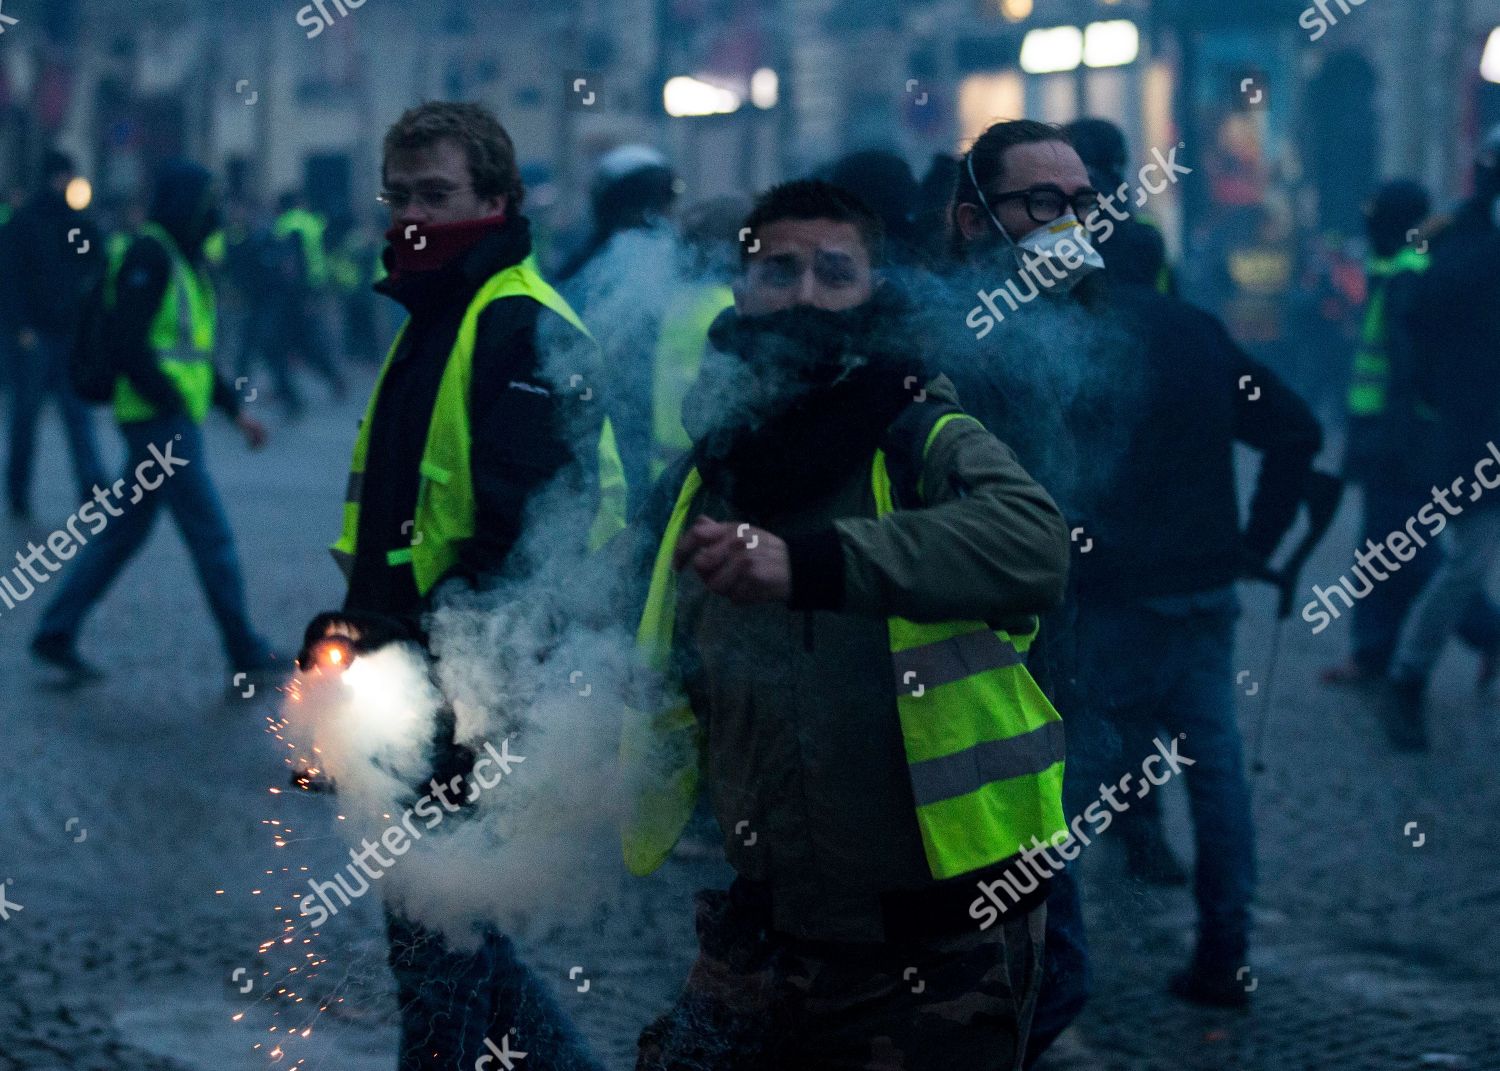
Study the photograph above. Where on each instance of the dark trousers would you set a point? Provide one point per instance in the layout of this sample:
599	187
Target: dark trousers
1378	617
452	1001
37	374
757	999
194	502
279	328
1067	977
1147	668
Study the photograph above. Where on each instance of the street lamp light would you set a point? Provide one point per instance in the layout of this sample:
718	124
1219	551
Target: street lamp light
79	194
686	96
1489	65
1052	51
1111	44
765	88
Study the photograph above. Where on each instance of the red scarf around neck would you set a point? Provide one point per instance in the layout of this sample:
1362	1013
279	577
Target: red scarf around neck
420	247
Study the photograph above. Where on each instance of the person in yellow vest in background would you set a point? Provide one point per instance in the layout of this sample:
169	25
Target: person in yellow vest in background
299	318
1392	451
845	576
159	328
465	426
710	247
354	268
309	229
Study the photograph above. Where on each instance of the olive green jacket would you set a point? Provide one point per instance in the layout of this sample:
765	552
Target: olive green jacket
804	763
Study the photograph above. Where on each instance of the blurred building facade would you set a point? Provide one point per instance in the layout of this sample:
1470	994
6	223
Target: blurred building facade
743	92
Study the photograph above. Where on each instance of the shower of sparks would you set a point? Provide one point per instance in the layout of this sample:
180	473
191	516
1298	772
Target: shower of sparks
290	992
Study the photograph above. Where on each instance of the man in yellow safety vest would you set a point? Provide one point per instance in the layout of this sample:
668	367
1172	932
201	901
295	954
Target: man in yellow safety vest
1393	442
157	332
465	426
845	574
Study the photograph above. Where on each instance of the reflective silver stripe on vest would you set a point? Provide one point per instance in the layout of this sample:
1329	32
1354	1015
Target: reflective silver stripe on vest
994	760
936	664
355	490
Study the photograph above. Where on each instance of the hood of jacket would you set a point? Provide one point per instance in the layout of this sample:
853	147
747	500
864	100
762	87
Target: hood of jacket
184	205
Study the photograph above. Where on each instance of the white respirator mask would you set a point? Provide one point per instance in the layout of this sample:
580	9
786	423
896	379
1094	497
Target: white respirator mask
1063	243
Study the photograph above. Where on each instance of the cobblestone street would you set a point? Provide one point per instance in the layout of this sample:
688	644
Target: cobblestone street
139	846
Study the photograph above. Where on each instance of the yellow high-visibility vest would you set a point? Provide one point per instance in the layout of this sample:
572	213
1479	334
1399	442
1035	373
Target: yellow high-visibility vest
445	514
182	334
679	355
1370	383
309	229
984	746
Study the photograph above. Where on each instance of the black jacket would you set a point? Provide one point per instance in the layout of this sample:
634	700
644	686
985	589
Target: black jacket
1454	322
516	420
48	275
1167	520
183	207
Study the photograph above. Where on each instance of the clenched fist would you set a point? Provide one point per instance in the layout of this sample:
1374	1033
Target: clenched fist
743	563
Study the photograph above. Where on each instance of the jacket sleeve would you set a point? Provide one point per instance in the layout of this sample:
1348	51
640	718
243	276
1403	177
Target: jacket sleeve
517	444
1279	424
139	289
990	543
225	398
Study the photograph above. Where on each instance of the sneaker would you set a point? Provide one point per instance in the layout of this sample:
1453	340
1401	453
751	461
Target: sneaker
1213	985
1402	717
59	653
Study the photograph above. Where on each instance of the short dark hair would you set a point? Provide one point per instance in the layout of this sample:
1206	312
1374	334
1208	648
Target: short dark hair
816	199
491	153
987	157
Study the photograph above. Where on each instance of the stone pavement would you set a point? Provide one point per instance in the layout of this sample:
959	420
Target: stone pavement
140	843
1376	943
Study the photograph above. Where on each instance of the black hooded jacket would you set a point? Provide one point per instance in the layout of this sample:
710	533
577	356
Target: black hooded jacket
1453	320
183	206
519	441
49	269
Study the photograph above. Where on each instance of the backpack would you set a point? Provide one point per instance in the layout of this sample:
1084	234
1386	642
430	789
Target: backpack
91	365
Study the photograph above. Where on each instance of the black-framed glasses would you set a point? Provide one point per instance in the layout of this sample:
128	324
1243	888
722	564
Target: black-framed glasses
429	197
1047	203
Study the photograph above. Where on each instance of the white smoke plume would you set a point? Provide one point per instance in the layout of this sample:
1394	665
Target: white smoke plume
540	664
543	663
